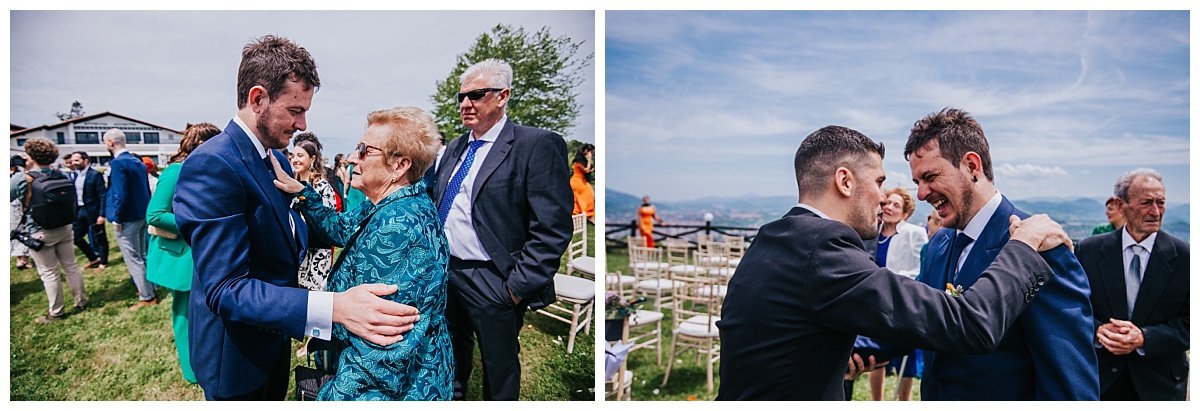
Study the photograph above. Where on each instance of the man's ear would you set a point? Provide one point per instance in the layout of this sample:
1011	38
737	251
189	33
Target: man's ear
843	180
257	98
974	165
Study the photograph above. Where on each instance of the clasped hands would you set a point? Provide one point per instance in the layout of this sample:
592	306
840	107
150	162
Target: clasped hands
1120	337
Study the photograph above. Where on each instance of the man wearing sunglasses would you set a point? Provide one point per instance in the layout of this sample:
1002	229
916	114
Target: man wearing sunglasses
503	193
246	242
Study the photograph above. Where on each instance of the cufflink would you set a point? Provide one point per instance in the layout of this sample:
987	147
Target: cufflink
316	332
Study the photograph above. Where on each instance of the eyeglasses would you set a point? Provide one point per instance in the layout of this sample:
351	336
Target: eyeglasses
476	94
364	148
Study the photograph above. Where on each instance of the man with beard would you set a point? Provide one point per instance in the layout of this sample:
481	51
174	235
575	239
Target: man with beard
90	194
806	287
1141	294
1047	354
245	303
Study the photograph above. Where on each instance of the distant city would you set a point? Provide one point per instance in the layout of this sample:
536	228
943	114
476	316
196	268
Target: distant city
1078	216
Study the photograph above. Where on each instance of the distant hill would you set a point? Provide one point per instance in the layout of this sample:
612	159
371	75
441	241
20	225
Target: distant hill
1077	215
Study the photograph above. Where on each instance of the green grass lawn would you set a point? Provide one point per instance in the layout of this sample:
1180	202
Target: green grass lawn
110	353
688	378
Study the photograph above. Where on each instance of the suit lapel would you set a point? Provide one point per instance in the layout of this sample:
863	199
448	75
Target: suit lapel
1154	282
495	156
258	170
1112	274
449	163
934	271
987	246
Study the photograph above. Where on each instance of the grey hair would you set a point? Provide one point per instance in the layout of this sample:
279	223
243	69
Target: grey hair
1121	188
500	72
117	136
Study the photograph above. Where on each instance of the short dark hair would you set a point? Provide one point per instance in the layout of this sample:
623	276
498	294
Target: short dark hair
823	151
271	62
308	136
956	132
82	155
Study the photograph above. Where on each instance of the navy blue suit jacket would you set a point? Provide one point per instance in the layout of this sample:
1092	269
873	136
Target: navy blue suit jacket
244	301
1047	355
128	189
94	193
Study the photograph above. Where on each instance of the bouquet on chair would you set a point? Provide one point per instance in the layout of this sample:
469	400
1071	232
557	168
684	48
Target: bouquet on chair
616	308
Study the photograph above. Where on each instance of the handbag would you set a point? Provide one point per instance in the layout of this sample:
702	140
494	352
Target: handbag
322	365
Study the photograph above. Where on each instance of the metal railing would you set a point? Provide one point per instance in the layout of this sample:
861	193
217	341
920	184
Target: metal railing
616	234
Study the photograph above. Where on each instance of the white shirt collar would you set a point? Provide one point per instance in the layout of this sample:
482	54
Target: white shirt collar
262	152
1127	240
813	209
119	151
493	133
975	227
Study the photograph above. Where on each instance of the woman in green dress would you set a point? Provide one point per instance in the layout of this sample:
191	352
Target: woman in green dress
169	259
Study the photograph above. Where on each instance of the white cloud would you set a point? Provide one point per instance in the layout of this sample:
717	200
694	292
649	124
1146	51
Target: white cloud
1030	171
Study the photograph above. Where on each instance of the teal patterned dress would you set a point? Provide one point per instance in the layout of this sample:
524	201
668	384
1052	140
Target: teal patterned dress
401	243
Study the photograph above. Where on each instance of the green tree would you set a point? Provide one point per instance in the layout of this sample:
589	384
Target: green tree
546	72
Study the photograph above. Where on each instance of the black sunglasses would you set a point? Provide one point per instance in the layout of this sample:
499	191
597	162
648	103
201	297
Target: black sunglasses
364	148
476	94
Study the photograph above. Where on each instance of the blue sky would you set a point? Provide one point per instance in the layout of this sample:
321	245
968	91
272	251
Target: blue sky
174	67
715	103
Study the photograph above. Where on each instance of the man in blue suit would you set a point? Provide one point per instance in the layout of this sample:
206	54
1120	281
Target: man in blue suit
90	193
128	196
246	243
1048	354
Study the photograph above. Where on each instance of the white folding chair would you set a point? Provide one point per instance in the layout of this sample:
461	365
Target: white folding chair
578	260
695	312
574	305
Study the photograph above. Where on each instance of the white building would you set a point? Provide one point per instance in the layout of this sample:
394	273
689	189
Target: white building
86	133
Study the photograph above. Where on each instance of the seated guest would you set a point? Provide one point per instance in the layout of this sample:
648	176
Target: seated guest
395	238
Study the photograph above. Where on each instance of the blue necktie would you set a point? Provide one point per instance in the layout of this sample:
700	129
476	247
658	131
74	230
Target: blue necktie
456	181
1133	277
960	242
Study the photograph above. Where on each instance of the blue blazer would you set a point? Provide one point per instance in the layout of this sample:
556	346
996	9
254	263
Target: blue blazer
244	301
1047	355
94	193
128	189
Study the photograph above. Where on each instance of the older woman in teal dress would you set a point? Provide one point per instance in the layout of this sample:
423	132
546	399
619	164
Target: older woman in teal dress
393	238
169	259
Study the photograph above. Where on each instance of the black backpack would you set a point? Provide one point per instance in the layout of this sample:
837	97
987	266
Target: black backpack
50	198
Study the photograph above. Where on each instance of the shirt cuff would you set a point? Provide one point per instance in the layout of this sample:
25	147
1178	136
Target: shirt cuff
319	322
1141	351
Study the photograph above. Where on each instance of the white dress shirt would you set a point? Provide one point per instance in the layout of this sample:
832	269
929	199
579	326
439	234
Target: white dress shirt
464	242
80	177
975	227
1143	253
813	209
319	320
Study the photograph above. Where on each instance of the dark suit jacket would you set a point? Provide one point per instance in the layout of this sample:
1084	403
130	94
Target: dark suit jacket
522	206
1047	355
806	287
244	301
1161	311
94	194
128	189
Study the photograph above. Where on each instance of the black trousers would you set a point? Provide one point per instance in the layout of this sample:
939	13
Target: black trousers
479	307
1122	389
90	238
275	389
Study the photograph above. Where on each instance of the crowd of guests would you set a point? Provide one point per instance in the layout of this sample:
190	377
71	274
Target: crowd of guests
442	247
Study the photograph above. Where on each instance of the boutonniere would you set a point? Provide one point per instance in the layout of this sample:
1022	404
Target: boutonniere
954	290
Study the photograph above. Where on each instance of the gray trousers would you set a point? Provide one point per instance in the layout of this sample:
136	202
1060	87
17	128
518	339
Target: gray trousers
58	251
131	238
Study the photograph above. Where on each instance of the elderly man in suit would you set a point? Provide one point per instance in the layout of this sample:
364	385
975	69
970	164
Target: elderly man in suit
246	242
90	194
1140	294
128	196
1047	354
806	287
504	195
